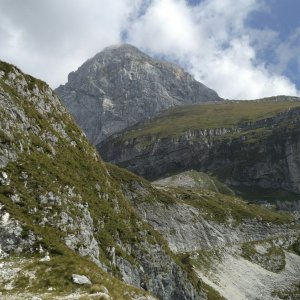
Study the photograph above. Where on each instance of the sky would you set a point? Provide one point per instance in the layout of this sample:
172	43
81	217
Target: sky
244	49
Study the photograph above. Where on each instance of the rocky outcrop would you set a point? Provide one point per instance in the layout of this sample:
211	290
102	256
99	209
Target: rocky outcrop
13	236
80	279
186	229
121	86
263	153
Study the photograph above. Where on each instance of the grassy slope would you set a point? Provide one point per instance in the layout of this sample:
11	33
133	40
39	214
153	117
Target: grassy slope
194	180
76	167
56	274
226	114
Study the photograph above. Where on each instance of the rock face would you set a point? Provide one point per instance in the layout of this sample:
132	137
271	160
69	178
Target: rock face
262	153
238	249
121	86
12	235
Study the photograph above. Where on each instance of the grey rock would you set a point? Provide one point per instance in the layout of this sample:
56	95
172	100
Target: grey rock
46	257
4	179
186	230
104	290
165	281
12	237
103	296
80	279
15	198
50	198
121	86
82	237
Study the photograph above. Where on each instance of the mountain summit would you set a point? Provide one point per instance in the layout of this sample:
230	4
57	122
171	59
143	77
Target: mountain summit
121	86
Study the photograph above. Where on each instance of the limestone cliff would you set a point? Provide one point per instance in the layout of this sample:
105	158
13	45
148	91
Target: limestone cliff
261	152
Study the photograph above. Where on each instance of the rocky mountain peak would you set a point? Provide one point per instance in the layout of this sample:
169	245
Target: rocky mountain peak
121	86
120	50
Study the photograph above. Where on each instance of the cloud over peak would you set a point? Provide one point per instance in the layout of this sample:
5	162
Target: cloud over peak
211	39
213	42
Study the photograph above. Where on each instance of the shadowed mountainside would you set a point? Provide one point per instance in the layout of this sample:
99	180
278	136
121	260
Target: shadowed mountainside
251	143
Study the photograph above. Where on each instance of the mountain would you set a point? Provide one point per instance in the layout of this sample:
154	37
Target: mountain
121	86
245	144
74	227
237	249
62	212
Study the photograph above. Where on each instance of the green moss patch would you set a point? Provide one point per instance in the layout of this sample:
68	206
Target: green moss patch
265	254
223	208
227	114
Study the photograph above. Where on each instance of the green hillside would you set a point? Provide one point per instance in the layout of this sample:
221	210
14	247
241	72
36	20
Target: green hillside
226	114
54	185
56	194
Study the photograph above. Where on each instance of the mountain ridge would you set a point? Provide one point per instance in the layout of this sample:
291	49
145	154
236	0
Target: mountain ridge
250	143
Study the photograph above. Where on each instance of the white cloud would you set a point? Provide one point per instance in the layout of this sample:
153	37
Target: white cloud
51	38
288	51
212	41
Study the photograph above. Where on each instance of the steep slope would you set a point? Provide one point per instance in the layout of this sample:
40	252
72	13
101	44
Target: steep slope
241	250
267	270
62	212
121	86
252	143
192	219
